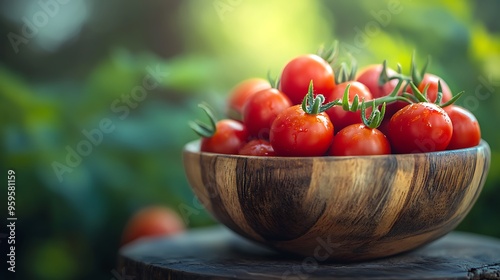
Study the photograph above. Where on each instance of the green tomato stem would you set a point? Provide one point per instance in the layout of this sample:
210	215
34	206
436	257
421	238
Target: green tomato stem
314	105
376	116
329	54
202	129
452	100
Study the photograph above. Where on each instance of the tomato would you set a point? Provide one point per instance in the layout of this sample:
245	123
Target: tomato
340	117
420	127
357	140
228	138
466	131
370	75
240	94
261	109
297	133
299	72
258	147
152	221
432	81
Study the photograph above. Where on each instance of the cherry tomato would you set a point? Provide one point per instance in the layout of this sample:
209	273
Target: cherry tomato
340	117
432	80
297	133
228	138
258	147
370	75
357	140
299	72
466	131
152	221
261	109
240	94
420	127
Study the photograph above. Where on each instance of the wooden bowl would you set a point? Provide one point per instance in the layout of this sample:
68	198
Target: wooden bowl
340	208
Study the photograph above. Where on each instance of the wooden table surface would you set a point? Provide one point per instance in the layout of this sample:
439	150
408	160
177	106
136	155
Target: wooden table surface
217	253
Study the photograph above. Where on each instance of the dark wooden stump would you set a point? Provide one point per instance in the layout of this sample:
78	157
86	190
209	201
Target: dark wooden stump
217	253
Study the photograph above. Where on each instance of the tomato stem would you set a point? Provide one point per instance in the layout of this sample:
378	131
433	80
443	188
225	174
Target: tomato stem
314	105
383	78
412	81
439	97
345	98
202	129
417	76
376	116
344	74
452	100
393	97
421	96
329	54
274	82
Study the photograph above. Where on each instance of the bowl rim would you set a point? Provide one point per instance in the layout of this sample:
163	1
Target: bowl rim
193	147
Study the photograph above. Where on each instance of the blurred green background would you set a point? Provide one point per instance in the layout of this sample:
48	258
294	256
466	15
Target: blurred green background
68	65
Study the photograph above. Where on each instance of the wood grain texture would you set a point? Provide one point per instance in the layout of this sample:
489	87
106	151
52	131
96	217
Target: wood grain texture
364	207
218	253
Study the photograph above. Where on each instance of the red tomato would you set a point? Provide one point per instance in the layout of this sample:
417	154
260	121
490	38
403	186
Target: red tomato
152	221
392	108
370	75
258	147
357	140
261	109
384	126
432	80
299	72
240	94
339	117
297	133
420	127
229	137
466	131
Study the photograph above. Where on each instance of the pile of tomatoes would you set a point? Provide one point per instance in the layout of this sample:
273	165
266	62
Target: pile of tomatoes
316	109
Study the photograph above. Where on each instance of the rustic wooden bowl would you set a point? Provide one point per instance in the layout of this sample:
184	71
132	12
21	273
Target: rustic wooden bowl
340	208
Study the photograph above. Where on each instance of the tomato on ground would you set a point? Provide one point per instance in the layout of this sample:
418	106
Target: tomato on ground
420	128
357	140
466	130
299	72
152	221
